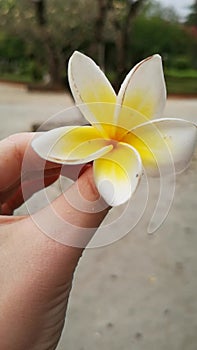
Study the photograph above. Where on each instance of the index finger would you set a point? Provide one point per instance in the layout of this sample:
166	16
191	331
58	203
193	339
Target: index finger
12	151
17	156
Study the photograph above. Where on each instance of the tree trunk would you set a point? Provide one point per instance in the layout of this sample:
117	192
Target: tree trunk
99	45
54	61
54	58
122	38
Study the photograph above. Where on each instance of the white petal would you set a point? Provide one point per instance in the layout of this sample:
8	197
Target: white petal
164	143
117	174
144	89
71	145
91	89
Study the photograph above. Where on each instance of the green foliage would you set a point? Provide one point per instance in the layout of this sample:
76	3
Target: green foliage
156	35
18	59
155	9
11	47
192	17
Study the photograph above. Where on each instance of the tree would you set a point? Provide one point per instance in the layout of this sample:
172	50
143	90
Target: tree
124	13
55	59
112	23
54	29
155	9
156	35
192	17
103	8
191	25
116	33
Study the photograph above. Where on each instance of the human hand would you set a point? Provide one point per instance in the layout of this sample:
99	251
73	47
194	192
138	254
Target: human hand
36	271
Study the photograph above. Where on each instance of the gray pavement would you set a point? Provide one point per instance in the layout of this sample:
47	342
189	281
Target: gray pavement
140	292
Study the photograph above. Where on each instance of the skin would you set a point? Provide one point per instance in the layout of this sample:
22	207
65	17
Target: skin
36	272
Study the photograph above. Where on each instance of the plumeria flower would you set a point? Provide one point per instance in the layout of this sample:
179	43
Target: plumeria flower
121	140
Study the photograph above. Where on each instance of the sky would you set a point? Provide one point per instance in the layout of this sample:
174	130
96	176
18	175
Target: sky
181	6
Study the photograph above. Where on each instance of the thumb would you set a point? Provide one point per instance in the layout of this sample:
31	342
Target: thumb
63	229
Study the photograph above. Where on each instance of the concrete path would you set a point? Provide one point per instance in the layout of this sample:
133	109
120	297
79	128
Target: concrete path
20	109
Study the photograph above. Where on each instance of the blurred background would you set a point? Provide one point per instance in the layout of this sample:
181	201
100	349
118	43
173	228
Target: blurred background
140	292
37	38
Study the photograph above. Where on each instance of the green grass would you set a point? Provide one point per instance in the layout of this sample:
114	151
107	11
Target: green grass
185	86
185	73
181	81
16	78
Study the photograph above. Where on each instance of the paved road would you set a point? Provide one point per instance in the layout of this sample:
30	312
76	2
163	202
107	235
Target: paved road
20	109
